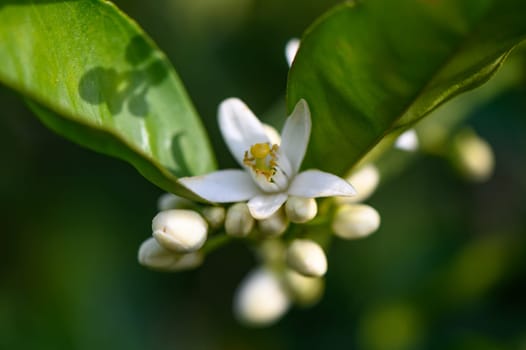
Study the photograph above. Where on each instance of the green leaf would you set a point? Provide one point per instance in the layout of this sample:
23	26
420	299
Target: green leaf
371	69
97	79
436	133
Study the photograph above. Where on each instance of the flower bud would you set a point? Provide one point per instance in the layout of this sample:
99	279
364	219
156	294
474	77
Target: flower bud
407	141
355	221
188	261
305	291
153	255
364	180
274	225
300	209
238	221
215	216
291	48
261	299
179	230
169	201
473	156
307	258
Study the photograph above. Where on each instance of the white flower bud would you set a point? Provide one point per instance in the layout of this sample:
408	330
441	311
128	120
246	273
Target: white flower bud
300	209
261	299
215	216
182	231
364	180
291	48
307	258
305	291
407	141
238	221
355	221
473	156
169	201
153	255
274	225
188	261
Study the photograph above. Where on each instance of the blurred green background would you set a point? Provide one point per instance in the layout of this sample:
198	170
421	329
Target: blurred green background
446	270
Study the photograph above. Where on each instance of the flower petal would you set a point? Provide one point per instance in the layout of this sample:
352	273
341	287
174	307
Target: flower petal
266	186
315	183
272	134
223	186
263	206
240	127
295	135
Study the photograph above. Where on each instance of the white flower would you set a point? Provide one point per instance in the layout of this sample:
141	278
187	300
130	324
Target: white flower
270	171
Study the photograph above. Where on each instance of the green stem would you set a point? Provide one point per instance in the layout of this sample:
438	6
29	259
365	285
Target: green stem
215	242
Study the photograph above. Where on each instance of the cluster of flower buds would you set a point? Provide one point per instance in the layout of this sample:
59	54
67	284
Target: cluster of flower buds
239	222
266	200
293	273
263	202
288	274
291	270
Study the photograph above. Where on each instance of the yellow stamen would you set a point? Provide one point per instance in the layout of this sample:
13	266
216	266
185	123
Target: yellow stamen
263	159
260	150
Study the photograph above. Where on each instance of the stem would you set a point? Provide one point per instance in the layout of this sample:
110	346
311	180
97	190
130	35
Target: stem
215	242
318	221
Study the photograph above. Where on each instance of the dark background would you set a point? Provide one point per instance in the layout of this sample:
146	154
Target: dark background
445	271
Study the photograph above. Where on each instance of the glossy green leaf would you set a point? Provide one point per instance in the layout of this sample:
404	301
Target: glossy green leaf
97	79
437	132
372	68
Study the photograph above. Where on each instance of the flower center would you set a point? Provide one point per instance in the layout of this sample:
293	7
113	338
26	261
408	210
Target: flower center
262	159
